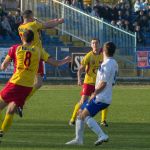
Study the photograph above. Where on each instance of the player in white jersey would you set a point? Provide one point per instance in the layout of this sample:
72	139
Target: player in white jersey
100	99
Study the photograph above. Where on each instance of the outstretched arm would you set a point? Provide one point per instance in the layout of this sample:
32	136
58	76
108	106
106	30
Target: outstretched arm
6	62
57	63
51	23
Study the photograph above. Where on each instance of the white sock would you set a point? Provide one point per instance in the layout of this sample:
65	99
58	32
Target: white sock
79	129
92	124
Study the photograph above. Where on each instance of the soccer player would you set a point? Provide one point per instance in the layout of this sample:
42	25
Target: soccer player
89	64
100	99
26	59
29	23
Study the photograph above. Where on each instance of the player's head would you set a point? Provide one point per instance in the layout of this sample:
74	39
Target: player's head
28	14
95	44
28	36
109	49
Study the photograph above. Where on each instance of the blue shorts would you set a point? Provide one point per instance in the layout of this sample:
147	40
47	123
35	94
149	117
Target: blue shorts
93	107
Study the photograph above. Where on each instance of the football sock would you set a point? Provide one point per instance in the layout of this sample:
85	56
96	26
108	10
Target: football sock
74	114
104	114
92	124
1	118
7	122
32	92
79	129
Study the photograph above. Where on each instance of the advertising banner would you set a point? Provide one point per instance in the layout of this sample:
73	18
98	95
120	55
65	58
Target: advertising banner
77	54
143	59
9	71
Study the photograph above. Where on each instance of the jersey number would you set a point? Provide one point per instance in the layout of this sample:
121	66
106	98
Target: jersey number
27	59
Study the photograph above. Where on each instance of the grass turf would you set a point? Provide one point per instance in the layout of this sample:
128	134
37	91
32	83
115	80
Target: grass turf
46	115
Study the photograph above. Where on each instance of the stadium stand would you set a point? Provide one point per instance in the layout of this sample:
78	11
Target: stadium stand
121	15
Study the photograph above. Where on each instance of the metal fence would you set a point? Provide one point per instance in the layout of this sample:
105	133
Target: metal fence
81	25
69	71
84	27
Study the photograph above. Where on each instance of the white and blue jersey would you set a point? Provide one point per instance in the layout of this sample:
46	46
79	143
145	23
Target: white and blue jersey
107	73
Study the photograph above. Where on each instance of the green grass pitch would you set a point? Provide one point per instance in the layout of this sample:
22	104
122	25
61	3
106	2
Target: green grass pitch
46	115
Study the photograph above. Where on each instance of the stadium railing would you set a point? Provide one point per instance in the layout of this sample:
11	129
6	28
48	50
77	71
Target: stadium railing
84	27
69	71
81	25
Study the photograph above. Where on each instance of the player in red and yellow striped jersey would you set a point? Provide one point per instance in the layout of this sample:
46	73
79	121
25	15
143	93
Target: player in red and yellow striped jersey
89	64
26	59
30	23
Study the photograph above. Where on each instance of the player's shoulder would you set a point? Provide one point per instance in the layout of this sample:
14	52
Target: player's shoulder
89	54
24	25
14	47
37	23
12	50
110	62
101	50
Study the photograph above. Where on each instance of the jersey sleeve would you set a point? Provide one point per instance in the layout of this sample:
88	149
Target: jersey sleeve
38	25
105	72
12	52
44	55
85	60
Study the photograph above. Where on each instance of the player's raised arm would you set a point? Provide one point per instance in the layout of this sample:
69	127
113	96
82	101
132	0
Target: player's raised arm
51	23
57	63
6	62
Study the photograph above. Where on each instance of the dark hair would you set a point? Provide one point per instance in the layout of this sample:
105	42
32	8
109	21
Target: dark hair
28	36
27	13
96	39
110	48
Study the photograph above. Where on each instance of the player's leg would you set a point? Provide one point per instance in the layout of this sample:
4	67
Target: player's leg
37	84
76	109
87	90
79	130
88	113
103	117
8	117
79	127
2	106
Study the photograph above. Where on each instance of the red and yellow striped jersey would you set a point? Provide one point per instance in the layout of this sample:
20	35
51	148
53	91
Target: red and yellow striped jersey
91	62
26	61
35	26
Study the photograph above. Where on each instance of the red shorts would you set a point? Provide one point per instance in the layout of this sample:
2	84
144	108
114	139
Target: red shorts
15	93
87	89
41	68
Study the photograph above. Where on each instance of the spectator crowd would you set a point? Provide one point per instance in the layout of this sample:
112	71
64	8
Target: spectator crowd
134	18
9	23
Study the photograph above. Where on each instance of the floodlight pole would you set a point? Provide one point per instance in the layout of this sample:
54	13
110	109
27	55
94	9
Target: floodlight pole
21	5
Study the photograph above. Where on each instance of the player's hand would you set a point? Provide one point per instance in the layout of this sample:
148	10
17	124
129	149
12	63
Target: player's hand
81	101
68	59
79	82
61	20
92	96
